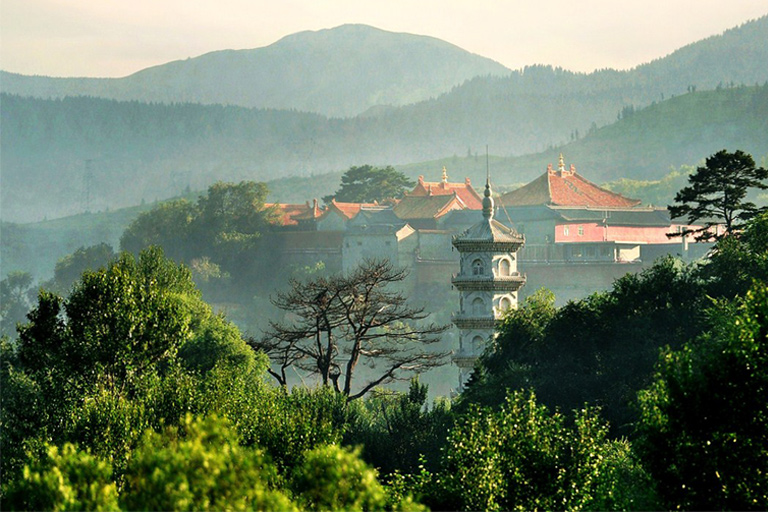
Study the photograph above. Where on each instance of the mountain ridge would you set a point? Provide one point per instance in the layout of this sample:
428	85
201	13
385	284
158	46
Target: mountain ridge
337	72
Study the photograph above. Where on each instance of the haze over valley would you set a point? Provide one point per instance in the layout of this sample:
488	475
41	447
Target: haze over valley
402	98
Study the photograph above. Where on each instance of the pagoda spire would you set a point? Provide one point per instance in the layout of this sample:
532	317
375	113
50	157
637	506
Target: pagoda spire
488	199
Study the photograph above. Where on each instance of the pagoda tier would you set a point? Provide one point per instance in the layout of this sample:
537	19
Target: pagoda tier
463	321
492	283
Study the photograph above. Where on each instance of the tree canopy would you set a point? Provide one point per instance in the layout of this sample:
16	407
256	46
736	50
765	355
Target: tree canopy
366	184
717	193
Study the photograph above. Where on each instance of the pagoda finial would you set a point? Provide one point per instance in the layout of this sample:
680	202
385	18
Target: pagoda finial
561	164
445	175
488	199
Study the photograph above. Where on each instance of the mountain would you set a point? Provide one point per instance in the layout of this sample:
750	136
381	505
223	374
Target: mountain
337	72
63	156
60	157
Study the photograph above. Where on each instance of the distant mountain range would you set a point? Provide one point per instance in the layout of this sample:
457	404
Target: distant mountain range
336	72
62	156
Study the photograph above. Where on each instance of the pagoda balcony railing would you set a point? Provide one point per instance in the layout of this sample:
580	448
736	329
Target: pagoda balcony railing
464	359
470	321
511	282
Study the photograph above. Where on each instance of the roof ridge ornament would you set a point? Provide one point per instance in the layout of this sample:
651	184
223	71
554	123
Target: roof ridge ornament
561	164
445	175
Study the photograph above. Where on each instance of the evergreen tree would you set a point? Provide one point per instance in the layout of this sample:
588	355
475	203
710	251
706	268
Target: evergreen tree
716	194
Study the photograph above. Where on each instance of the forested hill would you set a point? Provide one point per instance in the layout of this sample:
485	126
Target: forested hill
60	157
336	72
354	69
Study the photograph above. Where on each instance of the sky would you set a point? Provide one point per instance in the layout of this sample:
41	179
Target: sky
113	38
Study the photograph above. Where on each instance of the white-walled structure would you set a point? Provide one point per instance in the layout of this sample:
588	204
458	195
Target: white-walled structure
487	282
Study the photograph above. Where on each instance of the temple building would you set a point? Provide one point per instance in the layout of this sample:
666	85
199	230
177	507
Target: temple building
487	282
465	191
567	218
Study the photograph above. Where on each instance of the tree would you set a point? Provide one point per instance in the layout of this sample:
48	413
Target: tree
334	478
716	194
64	479
366	184
345	320
69	268
14	300
123	352
605	345
704	419
522	457
202	467
736	262
166	225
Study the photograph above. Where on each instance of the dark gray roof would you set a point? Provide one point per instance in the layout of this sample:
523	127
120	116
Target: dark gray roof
650	217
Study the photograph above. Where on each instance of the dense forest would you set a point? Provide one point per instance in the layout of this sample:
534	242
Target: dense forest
123	389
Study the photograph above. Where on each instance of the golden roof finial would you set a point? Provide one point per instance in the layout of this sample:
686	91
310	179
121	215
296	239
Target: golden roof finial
445	175
561	164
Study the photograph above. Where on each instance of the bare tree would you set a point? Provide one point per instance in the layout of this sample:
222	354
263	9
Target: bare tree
339	322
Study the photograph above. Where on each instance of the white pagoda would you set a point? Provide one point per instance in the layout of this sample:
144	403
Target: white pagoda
487	283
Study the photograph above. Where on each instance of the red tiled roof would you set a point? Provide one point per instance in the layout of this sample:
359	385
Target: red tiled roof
565	188
465	191
290	214
349	210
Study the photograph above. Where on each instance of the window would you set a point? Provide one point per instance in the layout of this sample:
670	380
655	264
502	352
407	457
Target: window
505	267
477	345
566	230
590	251
478	268
505	304
581	230
478	307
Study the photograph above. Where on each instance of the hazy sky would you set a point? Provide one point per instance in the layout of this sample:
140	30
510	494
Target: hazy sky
119	37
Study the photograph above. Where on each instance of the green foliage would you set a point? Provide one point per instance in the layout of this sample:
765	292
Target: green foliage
738	260
334	478
69	268
716	194
129	349
366	184
201	467
704	419
524	458
166	225
398	431
64	479
221	229
14	300
598	350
